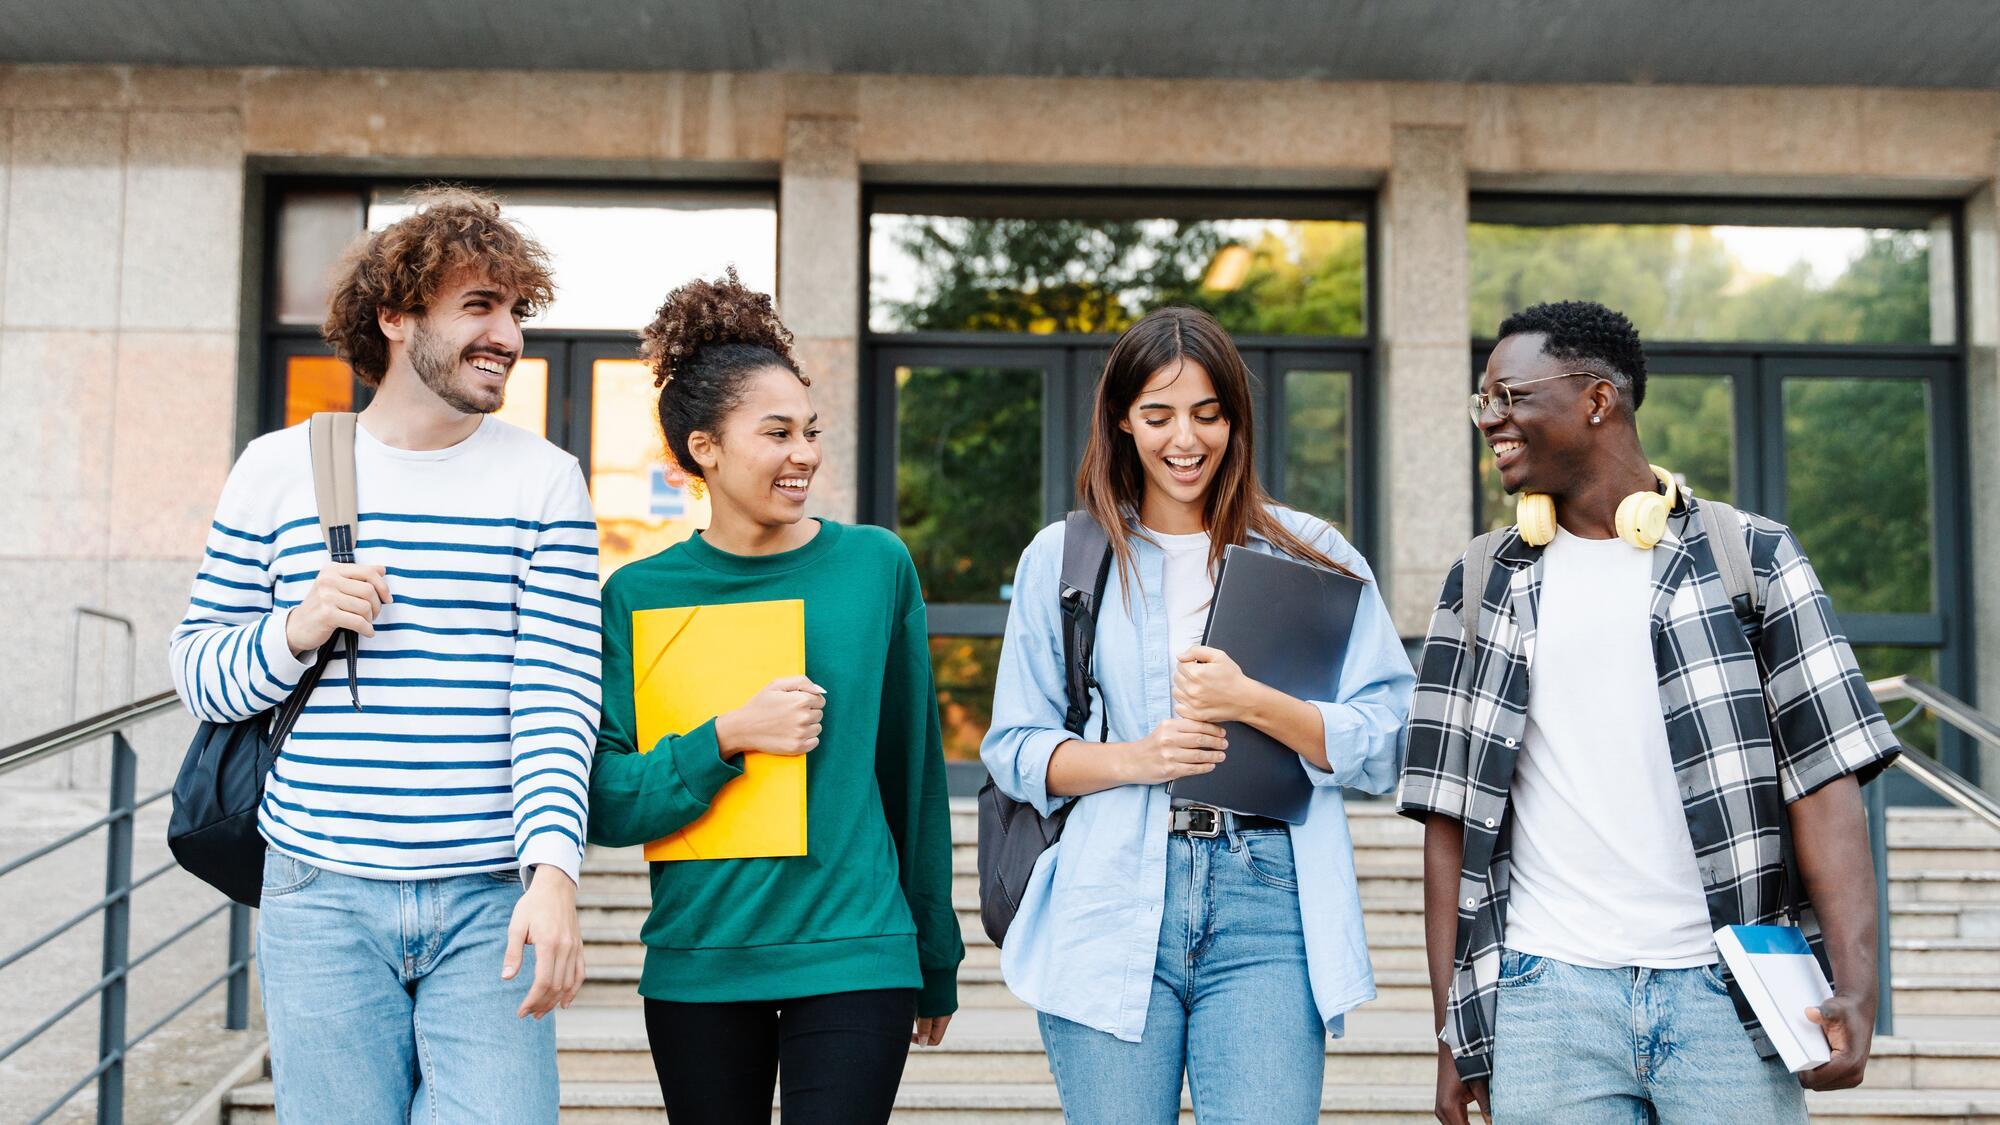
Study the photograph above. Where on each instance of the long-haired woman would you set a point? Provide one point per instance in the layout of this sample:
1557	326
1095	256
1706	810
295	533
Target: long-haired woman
817	970
1160	938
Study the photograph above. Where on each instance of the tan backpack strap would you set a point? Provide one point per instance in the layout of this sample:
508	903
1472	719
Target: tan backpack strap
1724	528
333	481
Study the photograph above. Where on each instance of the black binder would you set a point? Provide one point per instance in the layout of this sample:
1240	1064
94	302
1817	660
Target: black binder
1286	624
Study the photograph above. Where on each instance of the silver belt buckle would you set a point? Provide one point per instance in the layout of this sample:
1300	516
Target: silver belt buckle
1203	822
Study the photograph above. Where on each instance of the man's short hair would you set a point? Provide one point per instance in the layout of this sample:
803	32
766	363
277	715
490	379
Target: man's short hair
403	266
1588	334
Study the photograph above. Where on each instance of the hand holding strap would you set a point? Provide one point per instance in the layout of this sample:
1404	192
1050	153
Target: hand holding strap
332	440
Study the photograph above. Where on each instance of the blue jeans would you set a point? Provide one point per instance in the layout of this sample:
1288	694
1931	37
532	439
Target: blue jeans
385	1004
1628	1045
1231	1005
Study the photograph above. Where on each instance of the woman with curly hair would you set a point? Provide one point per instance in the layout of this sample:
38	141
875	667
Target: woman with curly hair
817	969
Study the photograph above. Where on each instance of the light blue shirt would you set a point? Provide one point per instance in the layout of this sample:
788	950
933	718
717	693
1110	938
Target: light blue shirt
1083	943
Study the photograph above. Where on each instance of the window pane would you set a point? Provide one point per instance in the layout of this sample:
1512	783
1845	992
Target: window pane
314	383
968	475
527	404
1858	489
1880	661
1686	282
639	494
314	227
1085	273
1318	442
965	668
616	253
1688	427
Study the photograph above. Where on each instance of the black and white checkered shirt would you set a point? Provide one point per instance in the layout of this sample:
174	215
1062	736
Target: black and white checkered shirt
1758	714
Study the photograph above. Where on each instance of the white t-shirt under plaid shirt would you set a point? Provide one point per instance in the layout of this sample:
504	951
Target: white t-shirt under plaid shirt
1758	715
479	689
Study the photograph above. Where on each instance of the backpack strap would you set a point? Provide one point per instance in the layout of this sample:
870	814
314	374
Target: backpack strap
1086	566
1472	587
331	436
1723	525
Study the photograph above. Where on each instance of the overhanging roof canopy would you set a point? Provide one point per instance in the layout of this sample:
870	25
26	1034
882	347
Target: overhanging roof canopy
1935	43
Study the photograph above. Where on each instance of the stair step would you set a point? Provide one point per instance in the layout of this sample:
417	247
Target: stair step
617	1103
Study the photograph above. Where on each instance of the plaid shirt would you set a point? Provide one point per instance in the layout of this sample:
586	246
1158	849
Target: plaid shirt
1758	714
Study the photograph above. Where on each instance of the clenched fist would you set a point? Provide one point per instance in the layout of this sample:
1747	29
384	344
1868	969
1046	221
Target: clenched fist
784	718
344	596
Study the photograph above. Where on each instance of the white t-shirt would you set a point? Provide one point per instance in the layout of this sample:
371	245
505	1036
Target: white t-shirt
1189	589
1603	866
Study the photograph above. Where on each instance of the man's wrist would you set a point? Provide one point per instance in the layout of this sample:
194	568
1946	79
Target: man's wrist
537	876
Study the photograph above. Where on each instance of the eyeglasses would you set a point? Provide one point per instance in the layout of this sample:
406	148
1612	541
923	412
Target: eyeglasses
1501	402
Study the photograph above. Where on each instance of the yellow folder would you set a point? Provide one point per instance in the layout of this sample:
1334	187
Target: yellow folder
692	663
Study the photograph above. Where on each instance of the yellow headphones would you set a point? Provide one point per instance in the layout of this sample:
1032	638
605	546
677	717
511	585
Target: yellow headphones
1641	518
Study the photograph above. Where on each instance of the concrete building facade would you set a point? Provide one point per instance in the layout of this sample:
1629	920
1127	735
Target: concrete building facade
133	236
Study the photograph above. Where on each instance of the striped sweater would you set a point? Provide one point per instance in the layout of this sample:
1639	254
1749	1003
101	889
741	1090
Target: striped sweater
479	689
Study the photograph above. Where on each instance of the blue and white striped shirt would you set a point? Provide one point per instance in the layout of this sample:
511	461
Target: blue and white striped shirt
479	689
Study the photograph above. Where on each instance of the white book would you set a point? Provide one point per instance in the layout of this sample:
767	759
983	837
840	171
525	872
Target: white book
1781	979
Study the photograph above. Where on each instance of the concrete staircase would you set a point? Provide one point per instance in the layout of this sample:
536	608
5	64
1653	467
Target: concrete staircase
1942	1066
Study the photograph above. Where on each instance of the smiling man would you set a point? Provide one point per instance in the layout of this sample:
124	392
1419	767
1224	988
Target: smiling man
1624	760
405	970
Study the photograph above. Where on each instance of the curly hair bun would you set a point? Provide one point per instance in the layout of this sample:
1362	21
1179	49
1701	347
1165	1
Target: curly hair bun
702	314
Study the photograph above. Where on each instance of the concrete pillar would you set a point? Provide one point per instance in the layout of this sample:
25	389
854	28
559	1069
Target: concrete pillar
1426	358
1982	300
819	291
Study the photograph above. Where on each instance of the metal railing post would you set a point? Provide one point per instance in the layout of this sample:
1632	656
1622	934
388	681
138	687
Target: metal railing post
238	1015
117	931
1878	845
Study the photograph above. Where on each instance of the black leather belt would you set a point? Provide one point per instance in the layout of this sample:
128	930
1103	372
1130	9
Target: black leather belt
1206	822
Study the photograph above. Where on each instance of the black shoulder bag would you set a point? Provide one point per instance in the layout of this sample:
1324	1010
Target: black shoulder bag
1012	834
213	831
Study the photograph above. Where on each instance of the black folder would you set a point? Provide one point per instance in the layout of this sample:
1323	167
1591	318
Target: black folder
1286	624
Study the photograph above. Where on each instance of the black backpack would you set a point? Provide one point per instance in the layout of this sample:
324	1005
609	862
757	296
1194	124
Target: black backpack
213	831
1012	834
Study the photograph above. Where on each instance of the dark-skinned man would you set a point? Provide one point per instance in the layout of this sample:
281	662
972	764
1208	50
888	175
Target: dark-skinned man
1626	759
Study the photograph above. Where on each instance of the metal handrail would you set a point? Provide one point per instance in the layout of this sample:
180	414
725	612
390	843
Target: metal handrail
1935	775
30	750
114	1045
1938	778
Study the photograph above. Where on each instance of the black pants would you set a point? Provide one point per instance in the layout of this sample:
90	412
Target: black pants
840	1055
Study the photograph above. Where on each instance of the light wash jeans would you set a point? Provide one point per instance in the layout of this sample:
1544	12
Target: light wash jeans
385	1004
1644	1046
1231	1006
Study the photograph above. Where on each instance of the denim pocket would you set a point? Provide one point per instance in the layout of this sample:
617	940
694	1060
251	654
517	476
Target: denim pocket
1517	969
510	875
284	875
1711	975
1268	855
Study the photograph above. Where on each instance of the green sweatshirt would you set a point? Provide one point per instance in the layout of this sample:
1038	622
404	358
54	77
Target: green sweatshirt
869	904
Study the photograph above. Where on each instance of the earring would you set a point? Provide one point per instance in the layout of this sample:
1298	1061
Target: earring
697	487
1594	419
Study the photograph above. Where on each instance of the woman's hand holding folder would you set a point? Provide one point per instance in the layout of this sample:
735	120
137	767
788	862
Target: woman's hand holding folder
784	718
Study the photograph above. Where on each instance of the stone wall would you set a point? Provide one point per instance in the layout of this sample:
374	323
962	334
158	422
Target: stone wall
123	227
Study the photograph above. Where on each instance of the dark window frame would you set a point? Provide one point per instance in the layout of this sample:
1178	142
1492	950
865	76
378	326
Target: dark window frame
570	351
1071	362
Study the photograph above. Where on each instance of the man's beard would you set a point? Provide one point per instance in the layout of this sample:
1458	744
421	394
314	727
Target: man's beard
437	365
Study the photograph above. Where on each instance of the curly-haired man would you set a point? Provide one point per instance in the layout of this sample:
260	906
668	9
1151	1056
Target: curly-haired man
1616	749
399	953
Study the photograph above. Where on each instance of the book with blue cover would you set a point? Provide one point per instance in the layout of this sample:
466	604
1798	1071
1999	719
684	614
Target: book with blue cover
1781	978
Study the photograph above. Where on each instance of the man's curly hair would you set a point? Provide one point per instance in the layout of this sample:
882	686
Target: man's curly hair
403	266
703	344
1587	333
